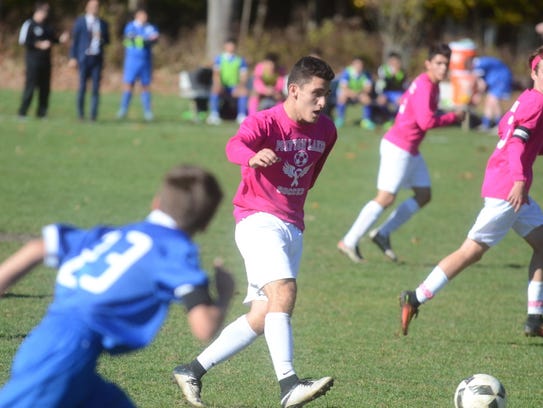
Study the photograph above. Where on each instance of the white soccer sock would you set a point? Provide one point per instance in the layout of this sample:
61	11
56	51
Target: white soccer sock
233	338
399	216
278	333
367	217
433	283
535	297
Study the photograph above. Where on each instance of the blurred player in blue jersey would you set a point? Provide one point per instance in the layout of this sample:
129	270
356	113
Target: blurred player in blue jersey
139	37
496	80
113	289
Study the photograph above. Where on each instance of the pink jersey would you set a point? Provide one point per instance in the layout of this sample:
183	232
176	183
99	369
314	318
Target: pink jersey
280	189
417	114
521	140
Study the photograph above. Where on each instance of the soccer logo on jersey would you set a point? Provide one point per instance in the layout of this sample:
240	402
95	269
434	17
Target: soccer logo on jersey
297	170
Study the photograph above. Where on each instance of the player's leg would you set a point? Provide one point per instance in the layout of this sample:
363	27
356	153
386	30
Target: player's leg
130	74
416	175
366	120
214	117
492	224
145	79
84	74
529	225
341	107
106	394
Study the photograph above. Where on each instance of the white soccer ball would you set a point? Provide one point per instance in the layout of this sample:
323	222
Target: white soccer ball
480	391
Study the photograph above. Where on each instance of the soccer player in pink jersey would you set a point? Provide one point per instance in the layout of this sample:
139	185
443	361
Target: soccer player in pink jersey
507	205
402	165
281	152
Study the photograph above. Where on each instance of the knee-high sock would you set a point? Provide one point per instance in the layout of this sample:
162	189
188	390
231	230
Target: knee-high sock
535	297
214	104
367	217
399	216
125	100
146	101
278	333
340	110
433	283
233	338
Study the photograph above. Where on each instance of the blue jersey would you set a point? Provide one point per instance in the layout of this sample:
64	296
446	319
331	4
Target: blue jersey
119	281
138	40
496	74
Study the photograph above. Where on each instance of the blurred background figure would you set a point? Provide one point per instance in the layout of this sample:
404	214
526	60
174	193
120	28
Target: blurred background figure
90	35
230	75
495	81
139	37
37	36
355	86
268	84
390	85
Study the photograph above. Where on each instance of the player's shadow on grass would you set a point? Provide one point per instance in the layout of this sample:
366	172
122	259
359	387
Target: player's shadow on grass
25	296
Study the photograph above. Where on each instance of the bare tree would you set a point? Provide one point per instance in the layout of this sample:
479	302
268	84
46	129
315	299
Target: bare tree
219	21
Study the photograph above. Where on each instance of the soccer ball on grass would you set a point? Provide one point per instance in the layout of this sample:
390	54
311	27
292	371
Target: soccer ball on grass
480	391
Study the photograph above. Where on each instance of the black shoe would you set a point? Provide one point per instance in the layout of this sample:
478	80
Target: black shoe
189	384
383	242
534	326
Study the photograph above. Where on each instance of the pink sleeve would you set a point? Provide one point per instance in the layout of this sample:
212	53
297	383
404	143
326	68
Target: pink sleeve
515	149
245	143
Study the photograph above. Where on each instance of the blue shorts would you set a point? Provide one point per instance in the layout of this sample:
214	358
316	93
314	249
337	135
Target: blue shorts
137	69
56	367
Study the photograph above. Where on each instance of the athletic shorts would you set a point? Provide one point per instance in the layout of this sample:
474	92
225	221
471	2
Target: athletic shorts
56	367
498	216
400	169
271	250
137	70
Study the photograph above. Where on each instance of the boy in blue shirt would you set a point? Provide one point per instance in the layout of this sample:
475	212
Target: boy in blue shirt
139	37
112	293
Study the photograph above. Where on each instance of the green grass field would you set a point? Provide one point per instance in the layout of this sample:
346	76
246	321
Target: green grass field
346	321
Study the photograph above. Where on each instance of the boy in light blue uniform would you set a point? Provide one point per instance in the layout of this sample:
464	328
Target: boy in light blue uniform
230	74
139	37
113	290
355	86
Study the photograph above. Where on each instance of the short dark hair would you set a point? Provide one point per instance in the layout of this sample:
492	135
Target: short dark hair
439	49
41	6
191	196
309	67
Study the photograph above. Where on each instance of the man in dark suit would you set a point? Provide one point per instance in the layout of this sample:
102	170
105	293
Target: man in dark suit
90	35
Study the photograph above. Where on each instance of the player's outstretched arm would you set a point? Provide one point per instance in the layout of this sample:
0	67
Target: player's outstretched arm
206	320
20	263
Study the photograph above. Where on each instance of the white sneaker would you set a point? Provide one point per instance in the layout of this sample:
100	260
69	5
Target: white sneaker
305	391
189	384
148	116
213	119
352	253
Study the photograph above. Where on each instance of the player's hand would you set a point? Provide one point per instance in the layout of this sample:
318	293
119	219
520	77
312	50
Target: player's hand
72	63
224	282
263	158
64	37
518	196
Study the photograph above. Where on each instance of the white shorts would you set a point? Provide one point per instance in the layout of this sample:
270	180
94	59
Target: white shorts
271	250
498	216
400	169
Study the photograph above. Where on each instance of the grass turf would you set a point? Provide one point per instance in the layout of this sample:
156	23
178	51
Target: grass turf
346	319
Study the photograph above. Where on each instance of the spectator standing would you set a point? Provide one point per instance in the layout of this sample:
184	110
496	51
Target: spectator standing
90	35
38	37
230	75
139	37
